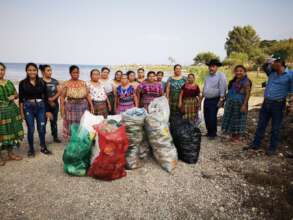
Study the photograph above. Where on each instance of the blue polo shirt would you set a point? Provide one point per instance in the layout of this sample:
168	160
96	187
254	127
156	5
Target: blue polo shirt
279	86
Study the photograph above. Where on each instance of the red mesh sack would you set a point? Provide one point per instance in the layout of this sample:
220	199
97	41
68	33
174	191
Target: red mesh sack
110	164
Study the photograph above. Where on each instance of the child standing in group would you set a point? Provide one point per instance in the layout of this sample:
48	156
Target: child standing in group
189	99
125	97
236	106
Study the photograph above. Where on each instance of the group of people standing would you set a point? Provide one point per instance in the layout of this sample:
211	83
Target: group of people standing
41	99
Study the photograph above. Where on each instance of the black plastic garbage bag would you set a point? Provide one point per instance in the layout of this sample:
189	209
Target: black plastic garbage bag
187	138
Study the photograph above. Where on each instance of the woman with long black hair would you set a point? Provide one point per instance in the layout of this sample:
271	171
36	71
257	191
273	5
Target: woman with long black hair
33	101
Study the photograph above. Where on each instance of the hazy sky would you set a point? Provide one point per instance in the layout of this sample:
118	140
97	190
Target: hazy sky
131	31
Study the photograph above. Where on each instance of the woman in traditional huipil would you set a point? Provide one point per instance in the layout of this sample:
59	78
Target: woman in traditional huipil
173	89
148	90
236	106
75	100
189	99
11	131
125	96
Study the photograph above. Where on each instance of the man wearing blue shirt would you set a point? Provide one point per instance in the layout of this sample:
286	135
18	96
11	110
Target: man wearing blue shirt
278	88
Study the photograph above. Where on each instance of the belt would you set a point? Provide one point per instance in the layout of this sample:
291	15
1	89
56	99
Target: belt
213	98
98	101
34	100
75	99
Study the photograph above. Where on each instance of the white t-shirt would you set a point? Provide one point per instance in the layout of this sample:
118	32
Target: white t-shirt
108	85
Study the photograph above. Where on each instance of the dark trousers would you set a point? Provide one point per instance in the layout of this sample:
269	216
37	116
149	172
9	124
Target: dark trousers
54	110
32	111
210	115
270	110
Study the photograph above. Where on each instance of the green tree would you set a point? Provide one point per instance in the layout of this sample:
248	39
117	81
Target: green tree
242	40
204	57
282	48
236	58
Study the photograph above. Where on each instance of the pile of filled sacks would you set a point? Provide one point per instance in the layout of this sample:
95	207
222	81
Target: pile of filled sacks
149	132
97	148
103	148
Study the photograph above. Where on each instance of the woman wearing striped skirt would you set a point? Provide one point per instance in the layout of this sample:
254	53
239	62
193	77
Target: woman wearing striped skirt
189	100
11	130
75	100
98	94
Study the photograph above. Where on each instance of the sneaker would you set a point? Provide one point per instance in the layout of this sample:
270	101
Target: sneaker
45	150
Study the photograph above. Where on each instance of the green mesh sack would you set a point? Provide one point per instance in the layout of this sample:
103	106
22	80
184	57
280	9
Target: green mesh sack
76	156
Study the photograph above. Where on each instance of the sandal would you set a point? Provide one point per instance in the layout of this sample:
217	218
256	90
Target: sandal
12	156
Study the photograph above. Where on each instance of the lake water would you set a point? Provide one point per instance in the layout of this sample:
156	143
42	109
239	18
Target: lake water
16	71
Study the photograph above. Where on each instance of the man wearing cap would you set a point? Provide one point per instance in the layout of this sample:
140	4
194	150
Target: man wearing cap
278	88
214	92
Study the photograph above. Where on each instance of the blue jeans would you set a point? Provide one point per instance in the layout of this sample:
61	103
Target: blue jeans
210	115
270	110
32	111
54	110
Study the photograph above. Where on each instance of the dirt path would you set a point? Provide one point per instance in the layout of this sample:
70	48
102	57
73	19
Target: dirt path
226	183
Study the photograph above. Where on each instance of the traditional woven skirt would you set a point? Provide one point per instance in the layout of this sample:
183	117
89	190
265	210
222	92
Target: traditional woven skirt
111	99
234	121
100	108
122	108
174	101
73	109
190	108
11	130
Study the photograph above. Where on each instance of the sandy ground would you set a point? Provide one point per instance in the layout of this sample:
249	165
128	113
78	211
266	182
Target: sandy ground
226	183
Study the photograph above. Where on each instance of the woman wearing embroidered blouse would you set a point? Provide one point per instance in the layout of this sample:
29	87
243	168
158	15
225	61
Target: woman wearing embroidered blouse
173	89
236	106
189	99
98	94
75	100
125	97
11	131
148	90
